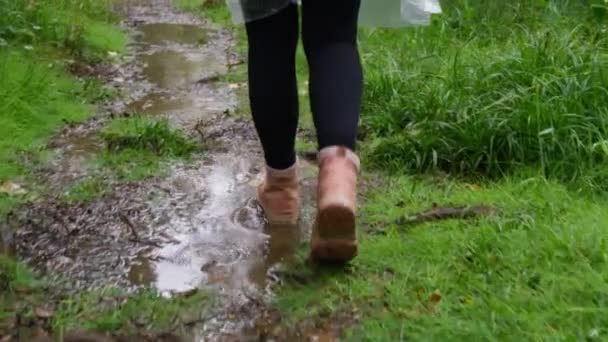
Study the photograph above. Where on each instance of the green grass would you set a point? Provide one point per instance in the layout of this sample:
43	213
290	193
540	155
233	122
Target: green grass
35	101
83	28
491	87
127	314
535	271
136	147
37	97
86	190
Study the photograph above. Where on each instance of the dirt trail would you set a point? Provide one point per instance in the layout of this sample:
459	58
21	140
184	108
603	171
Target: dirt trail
198	227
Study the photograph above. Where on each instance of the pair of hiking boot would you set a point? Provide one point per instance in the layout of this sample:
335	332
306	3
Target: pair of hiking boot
334	237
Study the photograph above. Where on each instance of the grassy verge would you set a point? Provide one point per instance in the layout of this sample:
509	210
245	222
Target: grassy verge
38	40
137	147
504	95
25	299
535	270
491	87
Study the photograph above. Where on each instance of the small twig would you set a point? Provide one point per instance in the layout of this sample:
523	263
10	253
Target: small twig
156	258
445	213
149	243
208	79
199	127
129	224
236	63
170	239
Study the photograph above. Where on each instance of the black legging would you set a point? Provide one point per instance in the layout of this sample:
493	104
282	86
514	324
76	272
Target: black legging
330	42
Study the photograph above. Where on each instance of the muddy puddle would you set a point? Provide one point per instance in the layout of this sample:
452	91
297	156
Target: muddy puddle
163	33
170	69
185	109
197	227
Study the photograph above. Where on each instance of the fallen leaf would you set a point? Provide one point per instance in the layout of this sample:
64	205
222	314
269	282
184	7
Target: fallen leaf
435	297
44	313
12	188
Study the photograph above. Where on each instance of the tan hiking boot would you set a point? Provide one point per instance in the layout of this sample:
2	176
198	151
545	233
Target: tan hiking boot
279	195
334	236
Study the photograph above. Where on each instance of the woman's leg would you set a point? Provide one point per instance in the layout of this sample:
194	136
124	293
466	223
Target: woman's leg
273	94
273	89
336	80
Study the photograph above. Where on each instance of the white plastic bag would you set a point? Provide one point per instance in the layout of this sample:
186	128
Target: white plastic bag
382	13
396	13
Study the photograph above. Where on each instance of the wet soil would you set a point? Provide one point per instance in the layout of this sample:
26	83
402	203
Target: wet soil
198	227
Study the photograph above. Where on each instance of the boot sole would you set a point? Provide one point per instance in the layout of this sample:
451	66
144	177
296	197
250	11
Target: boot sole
289	219
282	220
334	237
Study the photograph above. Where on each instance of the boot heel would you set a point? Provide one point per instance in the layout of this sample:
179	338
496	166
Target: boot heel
334	237
279	196
336	222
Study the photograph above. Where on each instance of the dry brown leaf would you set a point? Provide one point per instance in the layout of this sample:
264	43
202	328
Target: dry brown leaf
435	297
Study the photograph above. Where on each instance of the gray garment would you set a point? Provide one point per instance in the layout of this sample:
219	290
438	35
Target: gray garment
376	13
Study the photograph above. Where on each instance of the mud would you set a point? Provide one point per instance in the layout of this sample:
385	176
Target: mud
6	240
197	227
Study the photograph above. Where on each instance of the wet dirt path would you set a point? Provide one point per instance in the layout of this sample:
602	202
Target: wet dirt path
198	227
